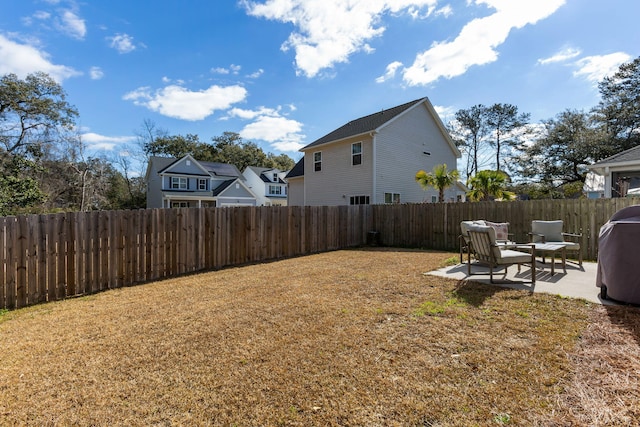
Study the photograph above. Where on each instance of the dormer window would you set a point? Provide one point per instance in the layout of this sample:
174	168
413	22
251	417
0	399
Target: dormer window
275	177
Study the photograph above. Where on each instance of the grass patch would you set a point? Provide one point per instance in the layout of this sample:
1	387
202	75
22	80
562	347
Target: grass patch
359	337
452	260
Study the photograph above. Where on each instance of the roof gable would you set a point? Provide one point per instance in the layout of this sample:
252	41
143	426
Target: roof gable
166	164
223	186
363	124
376	121
184	160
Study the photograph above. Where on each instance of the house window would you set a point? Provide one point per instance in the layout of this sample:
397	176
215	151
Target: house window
434	199
179	204
202	184
356	153
317	161
178	183
391	198
359	200
459	198
275	177
275	190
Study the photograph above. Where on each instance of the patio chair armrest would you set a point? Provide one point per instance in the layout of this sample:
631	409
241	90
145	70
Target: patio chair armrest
572	234
541	236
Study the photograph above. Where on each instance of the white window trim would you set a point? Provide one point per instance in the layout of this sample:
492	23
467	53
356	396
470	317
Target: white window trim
353	155
179	180
315	162
393	197
279	187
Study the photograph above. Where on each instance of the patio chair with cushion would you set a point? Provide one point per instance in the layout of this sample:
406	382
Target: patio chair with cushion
487	250
502	235
551	232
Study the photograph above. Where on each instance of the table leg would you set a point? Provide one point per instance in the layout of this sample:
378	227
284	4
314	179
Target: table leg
564	259
552	255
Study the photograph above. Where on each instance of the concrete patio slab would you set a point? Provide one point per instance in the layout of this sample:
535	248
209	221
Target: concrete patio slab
577	282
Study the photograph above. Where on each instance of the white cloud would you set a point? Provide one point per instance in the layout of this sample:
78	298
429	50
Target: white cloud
123	43
256	74
233	69
96	73
390	72
477	42
268	124
23	59
562	56
329	31
100	142
595	68
39	15
72	24
446	114
180	103
42	15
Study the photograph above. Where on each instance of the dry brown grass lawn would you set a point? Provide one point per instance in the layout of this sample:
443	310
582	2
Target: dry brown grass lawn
347	338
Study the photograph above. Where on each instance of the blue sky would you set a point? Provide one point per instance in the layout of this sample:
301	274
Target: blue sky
283	73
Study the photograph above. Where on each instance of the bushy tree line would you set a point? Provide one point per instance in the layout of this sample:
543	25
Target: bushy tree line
44	166
549	160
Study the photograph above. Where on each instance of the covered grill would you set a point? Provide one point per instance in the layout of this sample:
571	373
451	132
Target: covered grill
619	256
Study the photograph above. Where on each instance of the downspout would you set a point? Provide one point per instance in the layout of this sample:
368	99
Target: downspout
607	183
373	167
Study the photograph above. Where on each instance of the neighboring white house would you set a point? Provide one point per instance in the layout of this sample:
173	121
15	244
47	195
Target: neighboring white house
593	186
267	184
374	159
187	182
621	173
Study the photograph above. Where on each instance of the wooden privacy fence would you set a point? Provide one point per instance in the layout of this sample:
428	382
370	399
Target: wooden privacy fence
52	257
437	225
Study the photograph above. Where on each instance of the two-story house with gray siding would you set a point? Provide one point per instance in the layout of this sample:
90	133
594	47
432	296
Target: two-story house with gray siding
267	184
374	160
187	182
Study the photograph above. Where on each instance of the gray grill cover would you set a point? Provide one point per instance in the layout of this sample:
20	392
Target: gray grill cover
619	256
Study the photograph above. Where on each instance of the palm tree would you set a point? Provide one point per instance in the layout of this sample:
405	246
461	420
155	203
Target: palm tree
439	179
489	185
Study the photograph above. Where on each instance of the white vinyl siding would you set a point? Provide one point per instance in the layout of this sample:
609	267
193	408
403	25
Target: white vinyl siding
295	193
339	179
400	147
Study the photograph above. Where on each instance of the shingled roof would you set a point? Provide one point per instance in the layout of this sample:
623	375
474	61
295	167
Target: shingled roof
364	124
630	155
298	170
